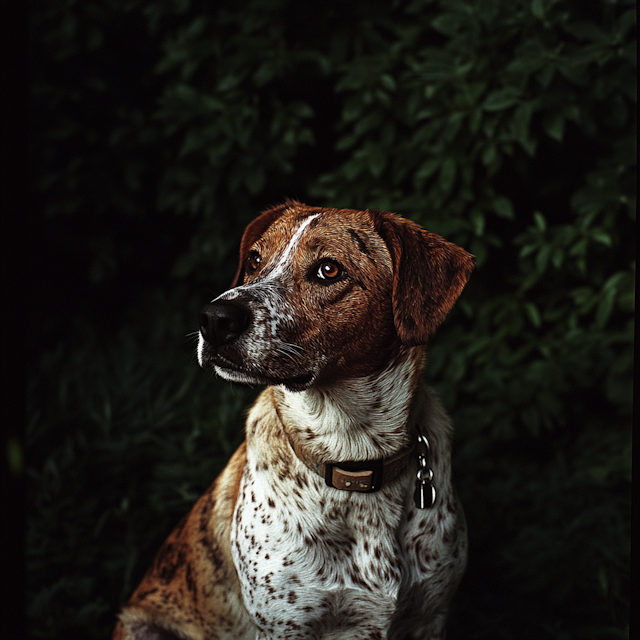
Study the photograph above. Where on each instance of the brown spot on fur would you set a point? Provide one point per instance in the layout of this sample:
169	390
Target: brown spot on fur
360	242
169	559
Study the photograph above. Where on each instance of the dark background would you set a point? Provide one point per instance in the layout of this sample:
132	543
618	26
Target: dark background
154	131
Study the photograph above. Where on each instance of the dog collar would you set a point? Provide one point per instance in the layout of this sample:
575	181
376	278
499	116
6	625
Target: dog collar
365	476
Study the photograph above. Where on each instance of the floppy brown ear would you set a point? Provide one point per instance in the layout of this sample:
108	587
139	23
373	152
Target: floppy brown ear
429	275
255	229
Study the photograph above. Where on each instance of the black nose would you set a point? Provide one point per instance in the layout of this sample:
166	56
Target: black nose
222	322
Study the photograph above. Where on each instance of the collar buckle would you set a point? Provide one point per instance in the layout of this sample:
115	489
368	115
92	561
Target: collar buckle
364	476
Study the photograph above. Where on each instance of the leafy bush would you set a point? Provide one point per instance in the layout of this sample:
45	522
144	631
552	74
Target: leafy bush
161	128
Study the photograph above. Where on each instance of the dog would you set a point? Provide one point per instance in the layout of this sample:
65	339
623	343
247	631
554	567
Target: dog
336	518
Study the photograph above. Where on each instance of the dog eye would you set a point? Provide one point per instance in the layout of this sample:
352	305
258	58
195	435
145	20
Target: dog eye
329	270
253	262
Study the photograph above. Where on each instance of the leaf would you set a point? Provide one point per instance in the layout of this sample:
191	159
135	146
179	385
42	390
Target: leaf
557	257
447	23
478	249
447	174
527	250
346	142
537	8
426	170
521	123
602	237
377	161
588	31
478	221
545	75
388	82
454	122
502	99
612	283
542	259
579	248
554	126
533	314
353	108
626	22
255	180
475	120
605	307
540	222
503	207
489	154
264	73
228	82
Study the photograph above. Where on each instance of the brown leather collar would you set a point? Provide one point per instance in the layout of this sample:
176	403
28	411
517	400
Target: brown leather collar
363	475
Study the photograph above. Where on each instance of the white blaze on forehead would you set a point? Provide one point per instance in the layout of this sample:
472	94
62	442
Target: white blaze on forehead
285	258
293	243
228	295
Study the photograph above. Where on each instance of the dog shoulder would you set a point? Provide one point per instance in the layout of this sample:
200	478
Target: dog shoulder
191	591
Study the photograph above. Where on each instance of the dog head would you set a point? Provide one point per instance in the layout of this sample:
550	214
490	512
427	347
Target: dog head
326	294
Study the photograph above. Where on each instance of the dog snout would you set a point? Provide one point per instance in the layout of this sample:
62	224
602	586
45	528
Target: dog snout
222	322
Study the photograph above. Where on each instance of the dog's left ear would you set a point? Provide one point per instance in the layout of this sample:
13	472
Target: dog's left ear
429	274
255	229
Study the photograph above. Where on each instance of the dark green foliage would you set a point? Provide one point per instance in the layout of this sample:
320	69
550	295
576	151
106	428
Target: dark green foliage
161	128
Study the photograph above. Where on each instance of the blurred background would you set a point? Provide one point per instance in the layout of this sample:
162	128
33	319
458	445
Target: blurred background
159	128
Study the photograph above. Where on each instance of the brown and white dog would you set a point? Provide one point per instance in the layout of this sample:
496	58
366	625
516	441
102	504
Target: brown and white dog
337	517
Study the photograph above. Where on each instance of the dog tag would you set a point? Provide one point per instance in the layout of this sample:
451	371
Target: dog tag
425	495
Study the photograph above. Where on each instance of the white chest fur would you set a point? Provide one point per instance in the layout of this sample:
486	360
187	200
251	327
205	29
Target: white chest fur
306	566
310	557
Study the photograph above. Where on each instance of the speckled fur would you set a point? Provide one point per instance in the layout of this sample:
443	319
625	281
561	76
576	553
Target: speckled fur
270	551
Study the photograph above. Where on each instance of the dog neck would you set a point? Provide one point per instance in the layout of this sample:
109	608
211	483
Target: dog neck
355	419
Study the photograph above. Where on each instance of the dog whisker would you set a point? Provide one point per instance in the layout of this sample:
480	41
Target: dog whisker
291	351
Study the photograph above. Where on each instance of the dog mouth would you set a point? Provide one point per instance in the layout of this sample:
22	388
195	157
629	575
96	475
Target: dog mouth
237	373
299	383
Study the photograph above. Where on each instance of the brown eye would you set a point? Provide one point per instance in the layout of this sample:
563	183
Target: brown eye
253	262
329	270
